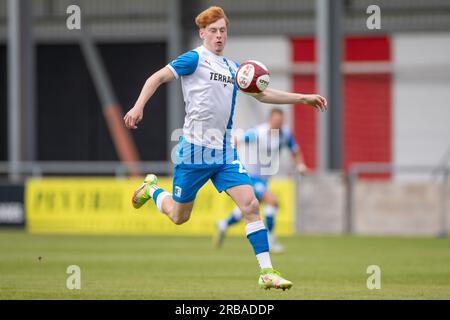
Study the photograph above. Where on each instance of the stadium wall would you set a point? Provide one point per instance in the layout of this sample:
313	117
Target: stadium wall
421	98
390	208
379	207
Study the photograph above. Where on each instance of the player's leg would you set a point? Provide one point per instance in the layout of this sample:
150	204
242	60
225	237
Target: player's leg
234	217
269	211
233	178
187	180
222	225
259	187
270	208
264	195
245	199
177	212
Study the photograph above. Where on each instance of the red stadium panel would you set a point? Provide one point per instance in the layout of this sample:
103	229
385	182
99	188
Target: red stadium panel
366	103
367	119
303	50
305	118
305	121
367	49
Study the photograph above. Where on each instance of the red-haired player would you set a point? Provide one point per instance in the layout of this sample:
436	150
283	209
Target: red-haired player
206	149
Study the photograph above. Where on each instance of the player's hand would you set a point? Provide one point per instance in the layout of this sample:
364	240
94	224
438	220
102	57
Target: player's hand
316	101
302	169
133	117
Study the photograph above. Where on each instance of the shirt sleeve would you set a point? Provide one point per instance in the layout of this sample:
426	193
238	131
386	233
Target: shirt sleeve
250	135
185	64
291	143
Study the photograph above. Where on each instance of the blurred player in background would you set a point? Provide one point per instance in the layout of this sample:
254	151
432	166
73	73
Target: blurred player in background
209	91
261	136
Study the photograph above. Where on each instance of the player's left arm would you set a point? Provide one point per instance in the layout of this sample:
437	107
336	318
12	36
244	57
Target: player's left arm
274	96
297	154
300	161
249	136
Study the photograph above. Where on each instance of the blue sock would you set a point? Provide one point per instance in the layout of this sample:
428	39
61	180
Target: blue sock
270	212
235	217
257	235
270	222
231	220
156	194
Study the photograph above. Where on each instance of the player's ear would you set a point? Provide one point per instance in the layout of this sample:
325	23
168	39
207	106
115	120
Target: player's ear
201	33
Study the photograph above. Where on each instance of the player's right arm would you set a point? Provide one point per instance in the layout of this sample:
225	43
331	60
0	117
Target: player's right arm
183	65
135	115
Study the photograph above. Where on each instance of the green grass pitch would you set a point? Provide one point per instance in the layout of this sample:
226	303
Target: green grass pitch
127	267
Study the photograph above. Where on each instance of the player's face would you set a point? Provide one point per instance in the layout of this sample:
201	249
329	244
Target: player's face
214	36
276	121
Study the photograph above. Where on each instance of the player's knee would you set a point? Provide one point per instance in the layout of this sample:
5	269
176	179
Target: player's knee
181	216
275	202
180	219
271	200
251	207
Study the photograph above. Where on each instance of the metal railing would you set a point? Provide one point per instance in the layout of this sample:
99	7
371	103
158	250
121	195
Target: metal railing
115	168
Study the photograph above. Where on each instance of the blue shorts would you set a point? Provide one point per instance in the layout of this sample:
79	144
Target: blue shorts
260	187
189	177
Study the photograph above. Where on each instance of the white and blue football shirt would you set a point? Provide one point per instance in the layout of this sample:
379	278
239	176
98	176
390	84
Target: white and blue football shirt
209	95
267	147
